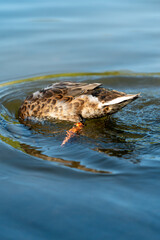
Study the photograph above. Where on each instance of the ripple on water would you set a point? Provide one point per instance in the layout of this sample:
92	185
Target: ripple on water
108	146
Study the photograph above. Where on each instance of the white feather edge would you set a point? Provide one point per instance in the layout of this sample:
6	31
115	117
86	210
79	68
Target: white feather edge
121	99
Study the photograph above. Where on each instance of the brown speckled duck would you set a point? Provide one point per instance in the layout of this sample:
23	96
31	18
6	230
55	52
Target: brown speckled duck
73	102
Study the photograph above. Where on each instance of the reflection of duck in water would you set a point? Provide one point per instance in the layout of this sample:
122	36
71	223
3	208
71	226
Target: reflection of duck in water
73	102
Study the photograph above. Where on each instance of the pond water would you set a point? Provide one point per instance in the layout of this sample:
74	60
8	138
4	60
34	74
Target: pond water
104	183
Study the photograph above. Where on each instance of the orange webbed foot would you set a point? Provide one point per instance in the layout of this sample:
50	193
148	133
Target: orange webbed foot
73	132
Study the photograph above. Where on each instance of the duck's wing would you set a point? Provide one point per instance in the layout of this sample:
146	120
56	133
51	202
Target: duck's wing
74	89
105	95
63	89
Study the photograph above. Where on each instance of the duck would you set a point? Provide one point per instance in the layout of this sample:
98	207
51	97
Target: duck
74	102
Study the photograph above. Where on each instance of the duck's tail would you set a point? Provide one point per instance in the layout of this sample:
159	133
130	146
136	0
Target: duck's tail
116	104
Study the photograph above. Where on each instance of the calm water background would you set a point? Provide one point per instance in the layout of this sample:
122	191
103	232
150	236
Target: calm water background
104	184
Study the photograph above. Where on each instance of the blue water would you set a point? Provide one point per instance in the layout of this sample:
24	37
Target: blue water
65	36
104	184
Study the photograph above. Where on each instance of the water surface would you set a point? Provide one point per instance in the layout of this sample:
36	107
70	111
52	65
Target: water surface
105	183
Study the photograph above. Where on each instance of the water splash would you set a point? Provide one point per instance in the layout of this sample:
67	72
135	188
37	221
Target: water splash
106	145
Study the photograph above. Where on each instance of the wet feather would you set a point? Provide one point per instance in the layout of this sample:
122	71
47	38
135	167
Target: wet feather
73	101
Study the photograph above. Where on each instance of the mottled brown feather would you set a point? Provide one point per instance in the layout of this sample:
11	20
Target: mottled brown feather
71	101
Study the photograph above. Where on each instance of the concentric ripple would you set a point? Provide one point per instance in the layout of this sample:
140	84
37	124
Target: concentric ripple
105	146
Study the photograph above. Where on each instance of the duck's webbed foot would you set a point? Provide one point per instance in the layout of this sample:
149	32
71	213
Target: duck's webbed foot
76	129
